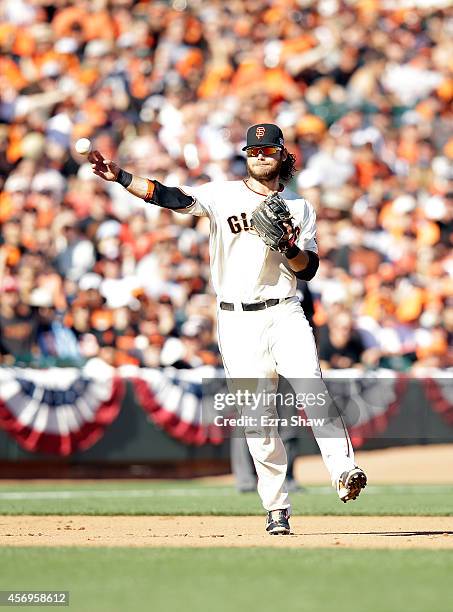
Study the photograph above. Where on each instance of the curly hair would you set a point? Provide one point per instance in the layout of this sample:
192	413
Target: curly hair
288	168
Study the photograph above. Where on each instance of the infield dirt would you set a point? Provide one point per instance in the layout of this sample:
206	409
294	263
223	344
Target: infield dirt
220	531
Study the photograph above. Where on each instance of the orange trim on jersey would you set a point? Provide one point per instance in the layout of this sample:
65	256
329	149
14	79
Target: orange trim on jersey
281	187
149	191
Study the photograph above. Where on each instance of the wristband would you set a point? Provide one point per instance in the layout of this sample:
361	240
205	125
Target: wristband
292	252
124	178
312	267
149	191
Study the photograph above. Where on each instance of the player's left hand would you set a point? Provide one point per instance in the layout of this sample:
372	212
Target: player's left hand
292	234
274	224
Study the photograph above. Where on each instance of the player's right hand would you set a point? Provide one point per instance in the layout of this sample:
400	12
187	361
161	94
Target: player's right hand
102	167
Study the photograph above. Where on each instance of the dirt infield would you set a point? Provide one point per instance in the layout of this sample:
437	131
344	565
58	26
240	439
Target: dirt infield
218	531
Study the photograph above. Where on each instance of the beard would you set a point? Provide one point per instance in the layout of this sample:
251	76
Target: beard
265	173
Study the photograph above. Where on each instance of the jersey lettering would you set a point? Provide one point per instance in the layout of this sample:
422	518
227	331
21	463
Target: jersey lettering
246	223
237	225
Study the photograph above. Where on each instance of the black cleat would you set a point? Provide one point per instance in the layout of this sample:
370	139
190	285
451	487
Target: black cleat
277	522
350	484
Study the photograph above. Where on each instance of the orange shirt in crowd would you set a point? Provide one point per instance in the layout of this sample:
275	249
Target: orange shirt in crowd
275	81
216	81
94	25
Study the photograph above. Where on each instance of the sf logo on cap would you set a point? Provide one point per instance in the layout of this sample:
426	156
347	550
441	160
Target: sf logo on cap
260	132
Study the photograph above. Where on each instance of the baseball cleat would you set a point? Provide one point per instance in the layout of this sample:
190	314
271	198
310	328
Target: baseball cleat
277	522
350	484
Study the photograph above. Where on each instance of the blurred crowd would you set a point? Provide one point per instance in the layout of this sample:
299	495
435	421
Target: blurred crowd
363	92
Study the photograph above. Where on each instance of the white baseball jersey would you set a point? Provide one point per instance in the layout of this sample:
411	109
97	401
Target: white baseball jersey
243	268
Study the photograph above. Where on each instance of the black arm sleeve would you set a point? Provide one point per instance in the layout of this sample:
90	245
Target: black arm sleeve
312	267
170	197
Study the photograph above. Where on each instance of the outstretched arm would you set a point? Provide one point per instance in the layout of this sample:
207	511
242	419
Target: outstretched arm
146	189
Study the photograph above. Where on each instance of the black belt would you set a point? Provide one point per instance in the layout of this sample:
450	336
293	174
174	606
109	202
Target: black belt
253	305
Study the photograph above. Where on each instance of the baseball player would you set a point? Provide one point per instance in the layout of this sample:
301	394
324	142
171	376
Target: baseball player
262	239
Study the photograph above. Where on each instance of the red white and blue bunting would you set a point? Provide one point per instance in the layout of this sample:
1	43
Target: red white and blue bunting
64	410
374	399
439	391
59	410
172	400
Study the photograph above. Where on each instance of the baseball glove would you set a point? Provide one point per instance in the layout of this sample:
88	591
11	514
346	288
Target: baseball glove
273	223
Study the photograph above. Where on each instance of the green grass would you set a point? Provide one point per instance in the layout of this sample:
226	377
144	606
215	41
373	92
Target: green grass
193	497
228	579
222	580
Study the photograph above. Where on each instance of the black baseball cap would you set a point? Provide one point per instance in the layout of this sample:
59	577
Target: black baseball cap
264	135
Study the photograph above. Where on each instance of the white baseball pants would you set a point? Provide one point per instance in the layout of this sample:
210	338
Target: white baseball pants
261	345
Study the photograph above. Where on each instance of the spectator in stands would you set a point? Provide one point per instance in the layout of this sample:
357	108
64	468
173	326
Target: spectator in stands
340	346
